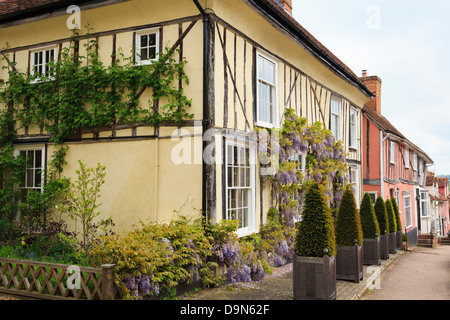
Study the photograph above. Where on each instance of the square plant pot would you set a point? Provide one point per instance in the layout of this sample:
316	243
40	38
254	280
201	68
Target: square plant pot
349	263
371	251
384	247
314	278
399	234
392	242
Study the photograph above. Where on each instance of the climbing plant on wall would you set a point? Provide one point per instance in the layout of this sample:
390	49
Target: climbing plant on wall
80	92
325	164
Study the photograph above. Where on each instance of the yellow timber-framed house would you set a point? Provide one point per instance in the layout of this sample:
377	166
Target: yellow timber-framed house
248	60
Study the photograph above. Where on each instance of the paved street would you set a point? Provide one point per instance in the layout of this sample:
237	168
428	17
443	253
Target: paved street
421	275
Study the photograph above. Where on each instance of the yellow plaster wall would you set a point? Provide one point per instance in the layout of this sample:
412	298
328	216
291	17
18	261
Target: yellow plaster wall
133	170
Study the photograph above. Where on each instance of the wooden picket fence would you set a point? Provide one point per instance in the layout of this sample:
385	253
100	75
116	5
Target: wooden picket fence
43	280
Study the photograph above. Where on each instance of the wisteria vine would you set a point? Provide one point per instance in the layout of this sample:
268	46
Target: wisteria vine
325	163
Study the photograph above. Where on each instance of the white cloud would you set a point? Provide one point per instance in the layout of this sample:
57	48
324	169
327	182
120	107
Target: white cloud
409	53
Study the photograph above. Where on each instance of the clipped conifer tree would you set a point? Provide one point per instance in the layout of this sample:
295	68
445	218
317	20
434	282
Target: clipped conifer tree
391	216
348	221
369	221
381	213
315	231
398	221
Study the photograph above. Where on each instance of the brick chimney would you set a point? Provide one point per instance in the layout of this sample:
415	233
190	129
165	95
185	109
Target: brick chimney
287	5
374	84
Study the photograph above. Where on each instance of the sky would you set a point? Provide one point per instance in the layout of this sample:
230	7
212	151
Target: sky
407	44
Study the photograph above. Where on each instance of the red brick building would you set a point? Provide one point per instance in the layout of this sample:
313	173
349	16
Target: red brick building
393	166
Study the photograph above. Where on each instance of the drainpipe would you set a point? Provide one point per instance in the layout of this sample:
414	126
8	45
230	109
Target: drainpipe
156	177
205	98
381	161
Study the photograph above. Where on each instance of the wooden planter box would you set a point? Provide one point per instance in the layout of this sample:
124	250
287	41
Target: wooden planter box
399	239
314	278
384	246
349	263
372	251
392	242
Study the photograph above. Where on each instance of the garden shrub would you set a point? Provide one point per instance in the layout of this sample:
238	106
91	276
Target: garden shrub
156	258
244	258
276	239
348	221
315	231
398	221
369	222
381	213
391	216
32	239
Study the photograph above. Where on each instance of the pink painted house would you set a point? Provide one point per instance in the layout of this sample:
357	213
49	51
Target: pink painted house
437	219
393	166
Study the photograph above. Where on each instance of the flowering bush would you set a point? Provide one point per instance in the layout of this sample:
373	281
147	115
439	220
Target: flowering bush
277	239
244	260
31	239
157	257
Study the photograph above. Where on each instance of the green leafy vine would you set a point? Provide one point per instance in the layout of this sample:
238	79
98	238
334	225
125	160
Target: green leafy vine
79	92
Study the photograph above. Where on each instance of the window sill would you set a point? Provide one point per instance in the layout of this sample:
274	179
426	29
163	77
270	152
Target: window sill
244	232
266	125
37	81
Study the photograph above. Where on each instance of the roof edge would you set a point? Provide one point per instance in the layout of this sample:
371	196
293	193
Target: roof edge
296	31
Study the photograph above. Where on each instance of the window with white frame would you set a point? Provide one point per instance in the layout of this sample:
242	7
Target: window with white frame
353	170
240	185
407	209
406	158
420	167
300	160
424	212
41	62
392	152
353	128
373	195
267	106
335	120
33	177
415	161
147	45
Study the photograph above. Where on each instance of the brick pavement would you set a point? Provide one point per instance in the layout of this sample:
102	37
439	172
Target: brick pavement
347	290
279	285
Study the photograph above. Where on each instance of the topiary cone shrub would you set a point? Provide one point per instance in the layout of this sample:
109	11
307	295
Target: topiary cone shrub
348	221
392	227
371	232
316	231
381	213
391	216
349	238
398	221
369	221
314	267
